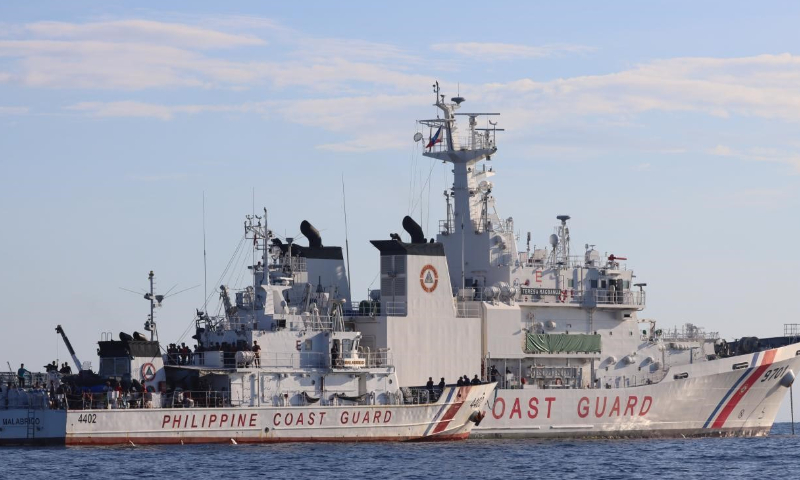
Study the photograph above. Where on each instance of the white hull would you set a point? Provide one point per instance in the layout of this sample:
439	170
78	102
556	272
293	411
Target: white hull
448	419
713	400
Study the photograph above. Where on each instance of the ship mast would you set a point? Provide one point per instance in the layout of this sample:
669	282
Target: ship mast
445	144
150	324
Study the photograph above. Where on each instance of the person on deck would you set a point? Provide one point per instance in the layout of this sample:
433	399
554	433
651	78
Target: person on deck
21	375
475	380
429	386
257	353
441	385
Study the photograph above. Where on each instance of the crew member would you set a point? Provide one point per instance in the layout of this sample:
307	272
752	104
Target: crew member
257	353
441	385
21	375
476	380
335	353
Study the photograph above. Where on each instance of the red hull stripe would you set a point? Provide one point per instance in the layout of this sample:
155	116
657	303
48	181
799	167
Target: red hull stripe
452	411
198	440
439	413
769	356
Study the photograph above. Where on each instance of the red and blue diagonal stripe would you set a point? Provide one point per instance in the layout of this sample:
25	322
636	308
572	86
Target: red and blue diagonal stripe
447	412
739	389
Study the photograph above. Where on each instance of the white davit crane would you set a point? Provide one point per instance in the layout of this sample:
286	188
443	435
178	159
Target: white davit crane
69	347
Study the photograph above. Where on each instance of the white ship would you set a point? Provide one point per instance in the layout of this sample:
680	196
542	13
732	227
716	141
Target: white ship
282	362
562	333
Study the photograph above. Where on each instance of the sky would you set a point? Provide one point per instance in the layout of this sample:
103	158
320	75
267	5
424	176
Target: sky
667	130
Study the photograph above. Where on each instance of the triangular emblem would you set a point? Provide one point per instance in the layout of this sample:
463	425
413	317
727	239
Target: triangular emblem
429	278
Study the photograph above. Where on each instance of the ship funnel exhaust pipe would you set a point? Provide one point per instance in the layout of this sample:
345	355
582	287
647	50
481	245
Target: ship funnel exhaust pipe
413	229
311	233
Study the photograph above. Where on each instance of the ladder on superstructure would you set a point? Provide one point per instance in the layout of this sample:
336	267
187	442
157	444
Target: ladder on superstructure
31	423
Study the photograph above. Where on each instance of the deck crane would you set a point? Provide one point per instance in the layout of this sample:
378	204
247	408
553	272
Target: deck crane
69	347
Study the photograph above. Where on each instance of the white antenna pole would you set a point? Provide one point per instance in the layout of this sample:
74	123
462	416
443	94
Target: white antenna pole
255	246
152	306
205	261
265	255
346	236
463	280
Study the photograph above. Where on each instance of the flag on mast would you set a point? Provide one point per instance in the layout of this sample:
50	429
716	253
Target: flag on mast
434	139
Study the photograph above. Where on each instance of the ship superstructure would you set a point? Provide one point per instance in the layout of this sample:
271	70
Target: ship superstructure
281	361
561	331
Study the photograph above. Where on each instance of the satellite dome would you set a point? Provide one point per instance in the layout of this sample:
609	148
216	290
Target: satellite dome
553	239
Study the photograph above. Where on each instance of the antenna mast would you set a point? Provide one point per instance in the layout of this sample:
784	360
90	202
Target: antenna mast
205	261
346	236
152	322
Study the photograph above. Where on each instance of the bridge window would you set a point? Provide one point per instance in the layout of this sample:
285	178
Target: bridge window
115	366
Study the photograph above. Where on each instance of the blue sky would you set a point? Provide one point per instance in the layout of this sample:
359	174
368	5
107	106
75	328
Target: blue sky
668	130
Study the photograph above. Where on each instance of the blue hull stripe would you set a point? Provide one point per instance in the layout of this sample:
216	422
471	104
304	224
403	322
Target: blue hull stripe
732	389
439	413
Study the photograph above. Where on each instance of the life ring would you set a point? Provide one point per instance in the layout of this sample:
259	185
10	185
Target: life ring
563	296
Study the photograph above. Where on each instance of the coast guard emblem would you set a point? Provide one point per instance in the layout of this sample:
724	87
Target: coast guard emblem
429	278
148	372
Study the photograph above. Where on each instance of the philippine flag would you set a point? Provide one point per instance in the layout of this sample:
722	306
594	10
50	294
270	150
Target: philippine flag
434	139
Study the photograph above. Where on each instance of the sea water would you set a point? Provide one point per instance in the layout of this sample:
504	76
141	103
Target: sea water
776	456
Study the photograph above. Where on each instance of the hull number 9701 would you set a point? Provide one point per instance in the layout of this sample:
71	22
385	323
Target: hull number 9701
774	373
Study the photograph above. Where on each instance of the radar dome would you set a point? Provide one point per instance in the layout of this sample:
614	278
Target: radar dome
554	240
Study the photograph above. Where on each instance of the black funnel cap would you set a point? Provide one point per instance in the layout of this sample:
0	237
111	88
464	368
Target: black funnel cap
311	233
413	229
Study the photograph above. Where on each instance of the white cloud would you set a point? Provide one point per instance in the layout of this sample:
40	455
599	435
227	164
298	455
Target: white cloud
759	197
507	51
760	154
350	113
367	143
163	177
362	88
760	86
143	31
138	54
123	66
13	110
721	150
161	112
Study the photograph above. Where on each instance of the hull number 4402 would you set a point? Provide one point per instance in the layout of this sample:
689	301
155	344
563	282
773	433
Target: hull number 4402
87	418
